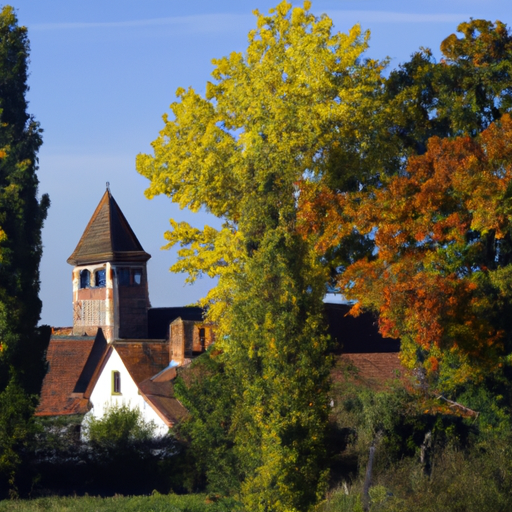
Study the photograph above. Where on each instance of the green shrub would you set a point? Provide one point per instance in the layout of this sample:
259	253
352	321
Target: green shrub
476	479
340	500
119	427
17	429
206	390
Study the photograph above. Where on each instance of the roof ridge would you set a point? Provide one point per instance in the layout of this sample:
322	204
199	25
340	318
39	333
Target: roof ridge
110	198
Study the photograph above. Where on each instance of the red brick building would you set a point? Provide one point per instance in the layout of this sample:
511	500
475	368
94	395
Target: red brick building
120	350
113	321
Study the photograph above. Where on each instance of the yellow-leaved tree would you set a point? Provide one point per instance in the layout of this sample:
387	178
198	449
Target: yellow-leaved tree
272	117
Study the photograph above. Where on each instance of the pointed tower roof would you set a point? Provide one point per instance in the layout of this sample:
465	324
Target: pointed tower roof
108	237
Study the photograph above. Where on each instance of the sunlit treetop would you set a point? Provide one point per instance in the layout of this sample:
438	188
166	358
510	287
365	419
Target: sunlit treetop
271	116
440	274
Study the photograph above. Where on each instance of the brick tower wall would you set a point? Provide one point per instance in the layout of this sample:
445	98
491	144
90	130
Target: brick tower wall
133	313
132	301
93	307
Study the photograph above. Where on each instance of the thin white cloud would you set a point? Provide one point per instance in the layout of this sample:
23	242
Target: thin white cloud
198	23
397	17
227	21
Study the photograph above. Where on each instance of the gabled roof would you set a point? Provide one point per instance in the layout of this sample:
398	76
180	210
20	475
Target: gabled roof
108	237
71	361
143	359
96	356
147	363
159	391
168	408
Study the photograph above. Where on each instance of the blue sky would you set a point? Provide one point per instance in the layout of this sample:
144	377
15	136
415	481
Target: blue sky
102	74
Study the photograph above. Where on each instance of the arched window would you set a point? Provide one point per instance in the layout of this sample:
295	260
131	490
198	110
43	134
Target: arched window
85	278
101	278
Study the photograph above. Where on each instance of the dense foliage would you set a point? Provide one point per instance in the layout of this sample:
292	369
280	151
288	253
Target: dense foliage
397	190
130	461
118	428
206	390
425	460
22	344
269	118
427	244
440	277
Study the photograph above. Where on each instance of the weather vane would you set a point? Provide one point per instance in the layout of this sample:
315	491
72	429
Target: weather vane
108	186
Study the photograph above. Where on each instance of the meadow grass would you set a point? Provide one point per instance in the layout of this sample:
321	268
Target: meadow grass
153	503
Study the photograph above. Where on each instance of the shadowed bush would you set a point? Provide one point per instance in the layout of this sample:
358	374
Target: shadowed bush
131	463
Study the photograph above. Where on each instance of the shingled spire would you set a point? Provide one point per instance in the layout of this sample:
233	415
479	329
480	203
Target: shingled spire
108	237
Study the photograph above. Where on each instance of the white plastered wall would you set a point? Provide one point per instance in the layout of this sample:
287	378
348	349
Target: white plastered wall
102	397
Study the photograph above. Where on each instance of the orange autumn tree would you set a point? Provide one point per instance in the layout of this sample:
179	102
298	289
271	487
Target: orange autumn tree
440	276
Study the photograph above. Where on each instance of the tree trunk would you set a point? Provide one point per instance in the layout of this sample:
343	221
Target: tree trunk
368	480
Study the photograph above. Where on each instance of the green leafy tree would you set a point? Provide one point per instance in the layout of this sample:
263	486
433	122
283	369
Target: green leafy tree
125	456
22	344
16	432
271	118
206	390
460	95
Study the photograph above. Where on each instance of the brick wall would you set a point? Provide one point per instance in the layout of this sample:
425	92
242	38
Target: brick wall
133	312
177	341
188	338
202	337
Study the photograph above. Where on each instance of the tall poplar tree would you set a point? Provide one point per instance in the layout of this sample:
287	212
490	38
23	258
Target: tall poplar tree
271	118
22	344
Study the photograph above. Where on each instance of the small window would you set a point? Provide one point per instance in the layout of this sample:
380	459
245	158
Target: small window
101	278
129	276
85	278
116	383
202	338
123	276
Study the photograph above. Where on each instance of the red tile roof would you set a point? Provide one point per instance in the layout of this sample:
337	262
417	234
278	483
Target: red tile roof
143	359
147	363
374	370
66	358
159	391
168	408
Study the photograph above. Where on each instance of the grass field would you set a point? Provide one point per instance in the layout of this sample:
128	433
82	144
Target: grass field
154	503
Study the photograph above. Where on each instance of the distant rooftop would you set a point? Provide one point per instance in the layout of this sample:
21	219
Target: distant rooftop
352	335
159	319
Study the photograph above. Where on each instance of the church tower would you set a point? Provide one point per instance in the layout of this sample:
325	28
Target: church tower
110	286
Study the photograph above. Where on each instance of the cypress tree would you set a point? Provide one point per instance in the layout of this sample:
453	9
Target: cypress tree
22	343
